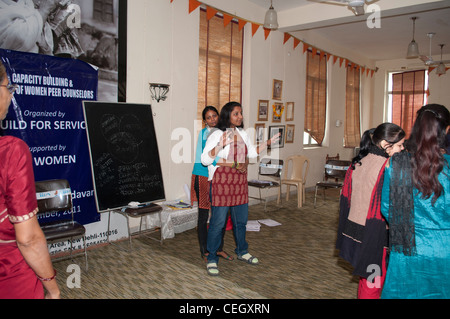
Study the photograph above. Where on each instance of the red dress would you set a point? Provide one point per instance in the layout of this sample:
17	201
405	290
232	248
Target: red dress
17	204
229	186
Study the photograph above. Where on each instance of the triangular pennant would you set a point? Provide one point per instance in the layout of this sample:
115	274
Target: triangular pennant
241	24
334	59
367	71
314	51
363	69
226	19
357	67
193	4
287	36
322	54
266	33
340	61
305	47
328	57
296	42
255	28
171	1
431	68
352	65
210	13
372	73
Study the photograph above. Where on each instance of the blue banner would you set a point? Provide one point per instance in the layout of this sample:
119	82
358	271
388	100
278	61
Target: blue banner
46	112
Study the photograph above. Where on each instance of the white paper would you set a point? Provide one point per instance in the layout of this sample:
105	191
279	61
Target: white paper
253	225
269	222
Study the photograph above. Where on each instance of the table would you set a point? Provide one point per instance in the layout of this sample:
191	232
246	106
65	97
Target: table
173	221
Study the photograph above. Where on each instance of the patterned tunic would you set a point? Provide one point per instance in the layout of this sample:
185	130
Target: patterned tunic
229	186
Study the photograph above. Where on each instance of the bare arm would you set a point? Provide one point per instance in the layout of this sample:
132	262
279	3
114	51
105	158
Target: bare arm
33	246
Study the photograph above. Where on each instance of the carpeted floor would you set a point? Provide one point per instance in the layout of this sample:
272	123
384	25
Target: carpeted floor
297	261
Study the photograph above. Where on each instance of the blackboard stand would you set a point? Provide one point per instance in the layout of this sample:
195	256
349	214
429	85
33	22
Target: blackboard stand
139	212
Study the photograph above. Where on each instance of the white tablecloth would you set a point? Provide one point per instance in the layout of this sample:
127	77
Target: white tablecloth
174	221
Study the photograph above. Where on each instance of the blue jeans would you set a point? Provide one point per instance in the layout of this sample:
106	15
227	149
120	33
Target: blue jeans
239	216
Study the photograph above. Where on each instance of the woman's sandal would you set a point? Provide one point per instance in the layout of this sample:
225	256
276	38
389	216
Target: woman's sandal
249	259
224	255
212	269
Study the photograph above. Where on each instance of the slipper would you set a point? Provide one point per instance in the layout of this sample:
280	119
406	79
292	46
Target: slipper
249	259
227	256
212	269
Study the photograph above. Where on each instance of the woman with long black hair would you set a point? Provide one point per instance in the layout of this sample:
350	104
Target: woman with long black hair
362	232
229	186
415	201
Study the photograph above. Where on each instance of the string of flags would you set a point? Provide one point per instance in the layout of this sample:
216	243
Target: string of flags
227	18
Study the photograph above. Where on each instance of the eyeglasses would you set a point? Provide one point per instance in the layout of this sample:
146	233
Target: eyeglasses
11	87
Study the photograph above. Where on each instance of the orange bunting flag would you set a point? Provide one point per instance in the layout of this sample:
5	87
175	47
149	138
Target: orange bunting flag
210	13
334	59
226	19
431	68
242	23
305	47
171	1
266	33
340	61
328	57
193	4
314	52
296	42
322	54
367	72
372	73
255	28
287	36
363	69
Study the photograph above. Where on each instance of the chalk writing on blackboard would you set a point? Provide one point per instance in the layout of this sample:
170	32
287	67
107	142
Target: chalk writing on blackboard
124	154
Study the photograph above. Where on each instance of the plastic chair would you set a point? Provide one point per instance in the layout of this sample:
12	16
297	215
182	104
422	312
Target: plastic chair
268	168
299	171
334	169
56	195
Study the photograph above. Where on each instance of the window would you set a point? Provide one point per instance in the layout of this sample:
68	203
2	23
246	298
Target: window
220	63
104	11
407	94
352	131
316	99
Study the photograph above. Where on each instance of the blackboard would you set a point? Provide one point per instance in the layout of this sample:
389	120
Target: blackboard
124	154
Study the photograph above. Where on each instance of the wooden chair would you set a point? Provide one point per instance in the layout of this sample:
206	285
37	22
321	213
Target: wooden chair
56	195
335	169
298	165
269	176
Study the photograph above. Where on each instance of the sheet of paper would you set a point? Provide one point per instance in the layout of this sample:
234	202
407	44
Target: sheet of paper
269	222
253	225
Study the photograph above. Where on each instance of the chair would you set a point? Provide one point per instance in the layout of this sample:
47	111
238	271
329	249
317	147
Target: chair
333	169
56	195
139	212
299	171
270	168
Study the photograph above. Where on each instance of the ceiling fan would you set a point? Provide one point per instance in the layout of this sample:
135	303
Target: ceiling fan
357	6
428	60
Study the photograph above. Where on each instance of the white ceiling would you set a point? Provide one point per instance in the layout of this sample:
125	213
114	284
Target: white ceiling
390	41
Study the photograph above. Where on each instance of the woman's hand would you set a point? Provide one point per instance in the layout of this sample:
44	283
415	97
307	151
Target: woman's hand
274	139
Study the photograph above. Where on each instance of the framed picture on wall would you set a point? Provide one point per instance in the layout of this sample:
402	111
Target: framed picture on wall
289	111
274	130
290	129
277	89
259	132
277	112
263	110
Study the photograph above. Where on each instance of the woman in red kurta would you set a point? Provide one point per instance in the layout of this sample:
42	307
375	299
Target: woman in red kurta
25	265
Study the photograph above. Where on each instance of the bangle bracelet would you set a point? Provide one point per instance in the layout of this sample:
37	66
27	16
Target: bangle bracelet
47	279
